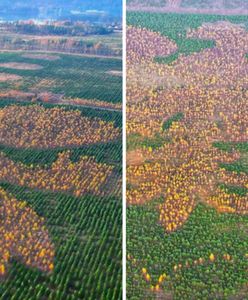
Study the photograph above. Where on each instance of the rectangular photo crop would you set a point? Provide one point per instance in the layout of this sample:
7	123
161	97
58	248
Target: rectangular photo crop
187	149
61	149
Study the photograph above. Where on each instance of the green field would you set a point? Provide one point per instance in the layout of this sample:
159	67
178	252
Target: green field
205	231
71	75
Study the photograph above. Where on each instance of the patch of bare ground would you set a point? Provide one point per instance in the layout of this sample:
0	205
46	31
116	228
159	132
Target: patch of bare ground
4	77
20	66
160	295
135	157
33	96
41	56
93	103
148	76
241	295
113	185
18	95
115	73
243	228
48	97
164	295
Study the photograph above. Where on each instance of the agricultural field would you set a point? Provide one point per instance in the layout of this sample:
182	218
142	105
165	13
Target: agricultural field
67	76
187	156
61	176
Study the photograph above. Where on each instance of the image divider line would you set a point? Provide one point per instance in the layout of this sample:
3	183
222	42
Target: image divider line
124	150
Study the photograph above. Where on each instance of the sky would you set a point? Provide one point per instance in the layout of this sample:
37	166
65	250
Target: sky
25	9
